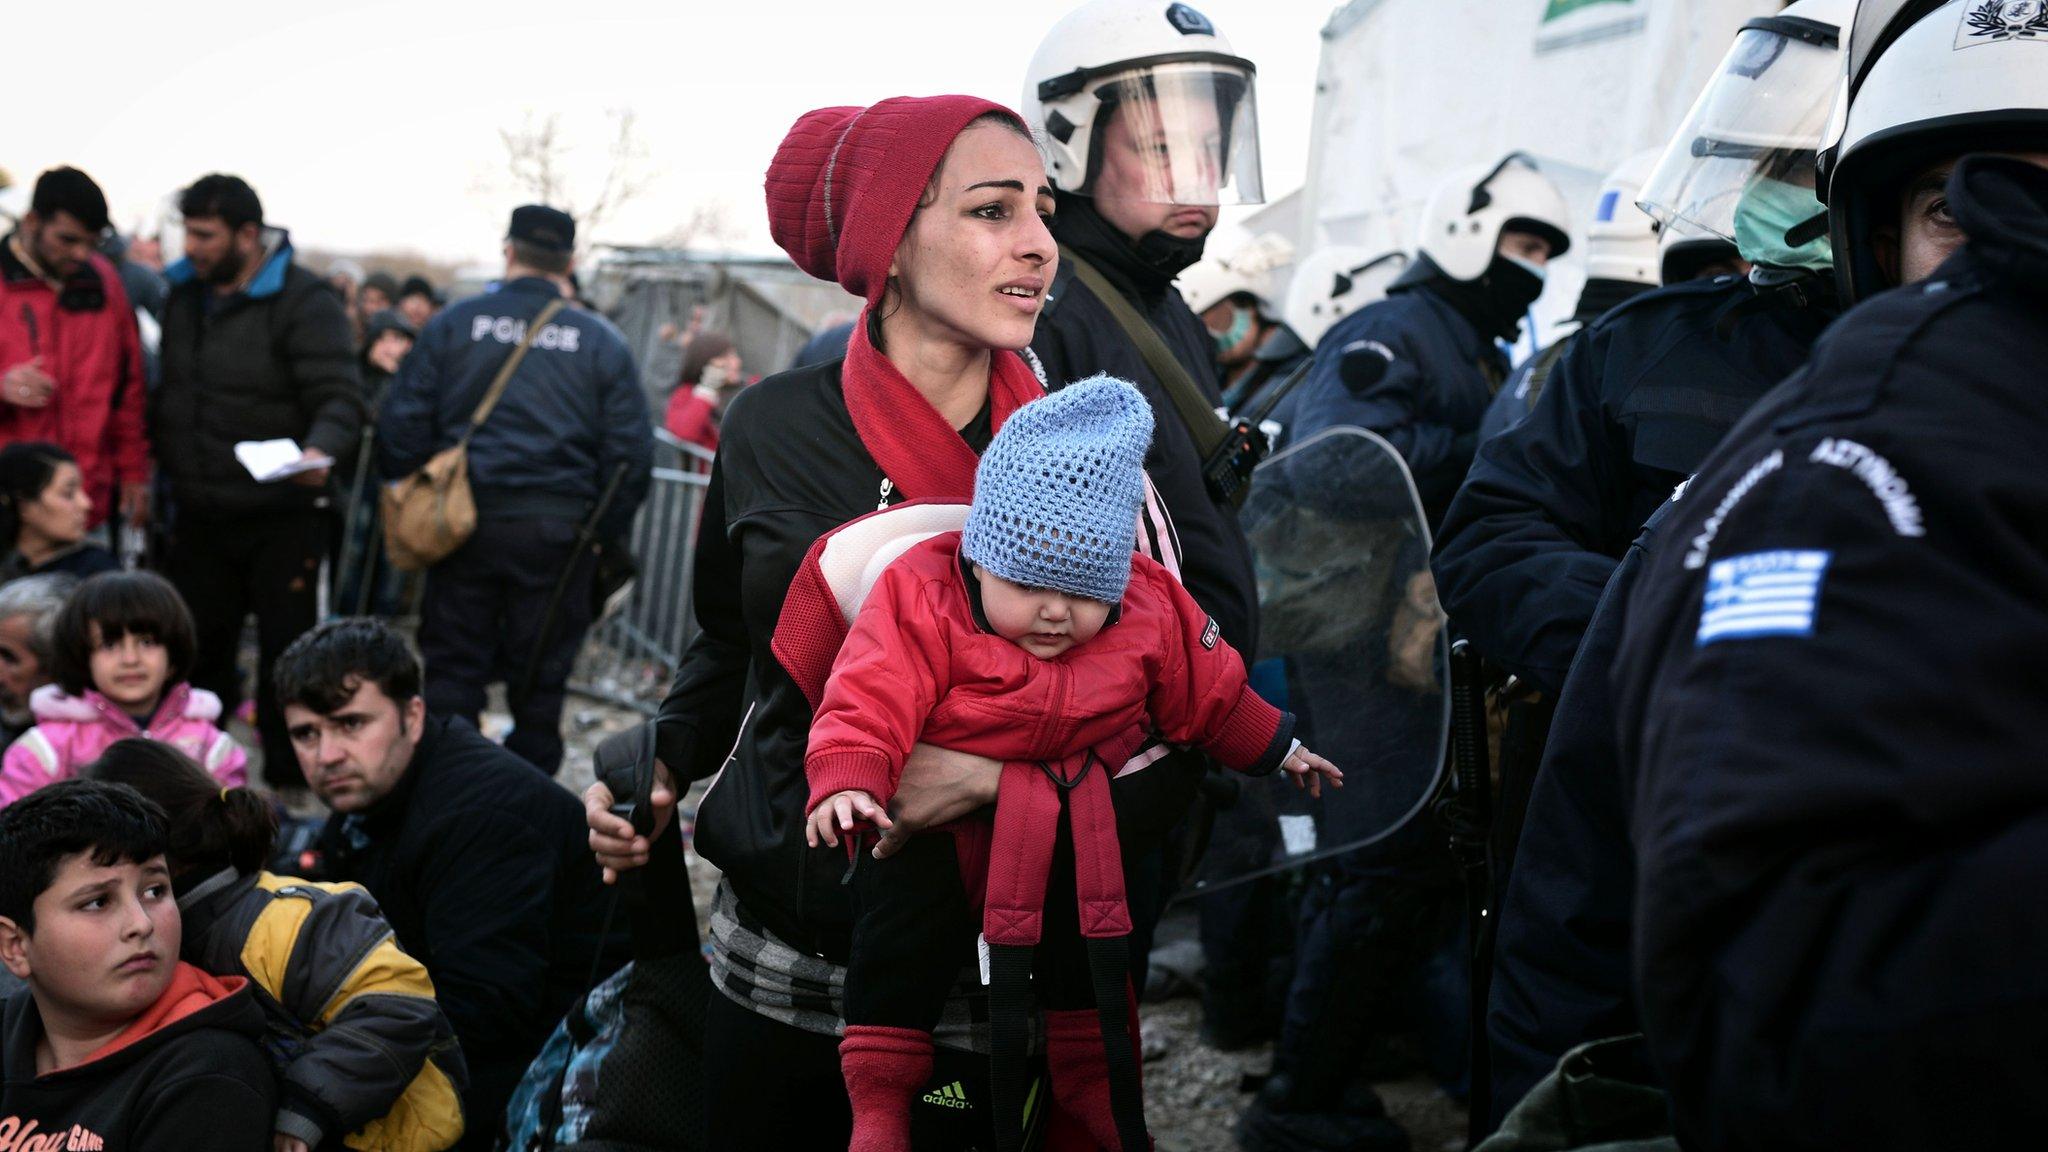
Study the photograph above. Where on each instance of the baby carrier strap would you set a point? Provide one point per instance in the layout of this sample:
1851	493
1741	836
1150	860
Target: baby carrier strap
1029	804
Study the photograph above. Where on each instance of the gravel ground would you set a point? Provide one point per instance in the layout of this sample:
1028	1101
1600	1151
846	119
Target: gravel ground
1193	1093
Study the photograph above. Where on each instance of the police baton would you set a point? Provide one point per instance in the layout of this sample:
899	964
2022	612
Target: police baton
1467	815
586	538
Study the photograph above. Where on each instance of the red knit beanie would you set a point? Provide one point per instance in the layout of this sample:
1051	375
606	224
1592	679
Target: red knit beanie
844	183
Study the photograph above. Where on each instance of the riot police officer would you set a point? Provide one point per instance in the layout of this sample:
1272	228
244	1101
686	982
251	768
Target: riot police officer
1327	285
1374	921
513	603
1149	123
1234	297
1828	689
1485	237
1622	261
1551	506
1637	401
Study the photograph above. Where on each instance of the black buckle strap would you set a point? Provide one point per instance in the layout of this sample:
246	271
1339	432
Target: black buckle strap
1109	966
1064	784
1009	1047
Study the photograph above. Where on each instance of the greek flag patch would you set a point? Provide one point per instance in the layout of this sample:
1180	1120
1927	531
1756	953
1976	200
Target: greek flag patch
1762	594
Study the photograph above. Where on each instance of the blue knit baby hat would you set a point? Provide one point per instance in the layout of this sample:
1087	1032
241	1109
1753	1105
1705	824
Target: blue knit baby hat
1057	494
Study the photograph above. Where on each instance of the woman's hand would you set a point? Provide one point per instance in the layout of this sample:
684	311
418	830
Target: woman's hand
938	785
1308	770
611	836
841	810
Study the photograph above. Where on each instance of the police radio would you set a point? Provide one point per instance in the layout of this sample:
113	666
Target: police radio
1228	470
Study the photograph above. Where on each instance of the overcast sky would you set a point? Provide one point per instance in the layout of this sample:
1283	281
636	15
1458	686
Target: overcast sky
375	125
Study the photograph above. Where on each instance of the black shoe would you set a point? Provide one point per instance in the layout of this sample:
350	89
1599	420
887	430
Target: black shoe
1265	1129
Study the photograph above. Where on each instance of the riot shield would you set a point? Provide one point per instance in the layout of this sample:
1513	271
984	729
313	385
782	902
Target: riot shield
1352	642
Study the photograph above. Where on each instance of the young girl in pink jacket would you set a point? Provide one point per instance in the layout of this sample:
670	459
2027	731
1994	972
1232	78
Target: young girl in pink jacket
122	647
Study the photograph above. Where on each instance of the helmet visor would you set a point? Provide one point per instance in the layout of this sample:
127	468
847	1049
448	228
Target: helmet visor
1761	116
1177	134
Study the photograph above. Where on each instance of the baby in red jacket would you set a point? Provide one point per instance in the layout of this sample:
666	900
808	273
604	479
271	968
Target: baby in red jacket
1035	637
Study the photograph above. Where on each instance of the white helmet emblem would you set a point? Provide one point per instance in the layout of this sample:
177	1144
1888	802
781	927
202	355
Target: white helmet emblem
1996	20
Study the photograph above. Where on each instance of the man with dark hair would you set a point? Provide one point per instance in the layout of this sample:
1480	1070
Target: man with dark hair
477	859
572	424
71	364
115	1044
255	348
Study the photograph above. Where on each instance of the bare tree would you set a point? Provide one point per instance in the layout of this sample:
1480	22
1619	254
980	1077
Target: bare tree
538	159
532	153
707	224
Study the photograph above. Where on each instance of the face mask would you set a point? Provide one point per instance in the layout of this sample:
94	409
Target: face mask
1512	286
1539	271
1240	326
1767	211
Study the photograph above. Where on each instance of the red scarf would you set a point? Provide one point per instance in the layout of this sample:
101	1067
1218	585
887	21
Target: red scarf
916	449
925	460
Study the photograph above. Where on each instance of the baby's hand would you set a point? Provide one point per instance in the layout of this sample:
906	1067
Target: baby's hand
1308	770
842	809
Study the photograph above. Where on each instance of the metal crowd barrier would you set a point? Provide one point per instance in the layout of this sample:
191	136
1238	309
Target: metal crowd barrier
629	656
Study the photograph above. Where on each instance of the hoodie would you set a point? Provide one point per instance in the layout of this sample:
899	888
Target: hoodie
72	731
187	1074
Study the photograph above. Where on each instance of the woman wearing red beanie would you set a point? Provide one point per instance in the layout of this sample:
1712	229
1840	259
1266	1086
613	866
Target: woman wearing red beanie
932	210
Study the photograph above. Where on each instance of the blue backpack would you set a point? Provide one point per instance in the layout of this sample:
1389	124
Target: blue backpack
621	1072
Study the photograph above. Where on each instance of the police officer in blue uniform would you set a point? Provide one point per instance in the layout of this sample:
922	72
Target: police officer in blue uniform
513	603
1486	235
1829	691
1623	260
1640	397
1378	929
1552	504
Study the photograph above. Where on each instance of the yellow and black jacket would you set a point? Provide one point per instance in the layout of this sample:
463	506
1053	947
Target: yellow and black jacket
364	1056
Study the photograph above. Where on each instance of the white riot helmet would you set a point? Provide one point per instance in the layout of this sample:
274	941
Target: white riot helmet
1621	243
1928	82
1469	210
1251	270
1192	120
1686	253
1332	283
1740	165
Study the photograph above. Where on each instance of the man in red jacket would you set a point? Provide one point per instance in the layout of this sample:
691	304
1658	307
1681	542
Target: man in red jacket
70	356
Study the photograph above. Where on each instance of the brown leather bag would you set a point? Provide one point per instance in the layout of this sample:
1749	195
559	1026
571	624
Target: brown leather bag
431	513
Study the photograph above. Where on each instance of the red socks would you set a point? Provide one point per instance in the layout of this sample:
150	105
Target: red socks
884	1068
1080	1080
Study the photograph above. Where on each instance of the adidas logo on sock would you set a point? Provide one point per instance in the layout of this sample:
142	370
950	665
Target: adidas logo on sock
951	1096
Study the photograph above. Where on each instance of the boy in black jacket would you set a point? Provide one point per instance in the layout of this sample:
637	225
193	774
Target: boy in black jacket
115	1046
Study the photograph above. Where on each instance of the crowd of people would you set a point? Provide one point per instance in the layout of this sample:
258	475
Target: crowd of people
1751	553
449	909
